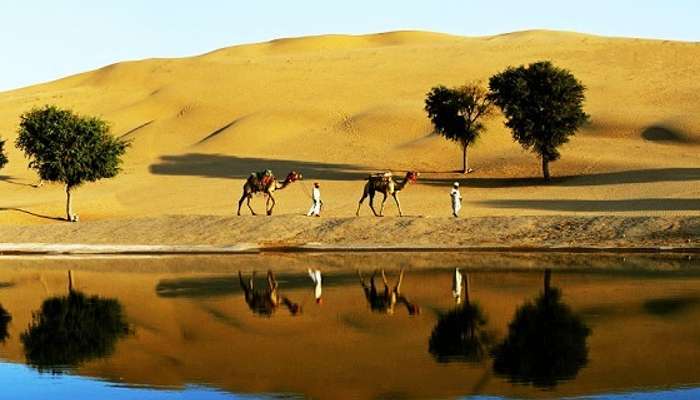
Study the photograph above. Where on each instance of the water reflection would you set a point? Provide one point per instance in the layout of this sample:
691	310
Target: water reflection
5	319
546	341
266	301
70	330
459	335
384	301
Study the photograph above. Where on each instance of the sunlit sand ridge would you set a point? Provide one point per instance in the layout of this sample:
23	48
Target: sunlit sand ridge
338	106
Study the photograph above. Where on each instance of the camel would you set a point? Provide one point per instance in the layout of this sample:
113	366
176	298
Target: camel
265	183
266	301
385	184
386	300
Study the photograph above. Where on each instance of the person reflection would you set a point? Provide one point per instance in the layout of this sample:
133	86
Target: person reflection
546	342
266	301
385	301
70	330
459	335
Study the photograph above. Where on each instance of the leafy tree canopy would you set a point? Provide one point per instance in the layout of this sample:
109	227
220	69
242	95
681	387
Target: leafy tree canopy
3	156
65	147
542	104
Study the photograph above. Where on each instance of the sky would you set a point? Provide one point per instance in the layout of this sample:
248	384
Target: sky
42	40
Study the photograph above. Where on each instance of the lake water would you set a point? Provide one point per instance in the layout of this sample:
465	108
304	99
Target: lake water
624	326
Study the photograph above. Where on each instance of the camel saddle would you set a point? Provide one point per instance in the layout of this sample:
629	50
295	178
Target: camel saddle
262	180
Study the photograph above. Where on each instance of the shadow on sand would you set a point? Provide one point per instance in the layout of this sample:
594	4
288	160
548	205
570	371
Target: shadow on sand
223	166
33	214
599	205
12	181
606	178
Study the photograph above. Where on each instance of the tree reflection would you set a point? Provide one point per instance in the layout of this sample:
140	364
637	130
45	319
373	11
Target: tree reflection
459	334
5	319
546	341
70	330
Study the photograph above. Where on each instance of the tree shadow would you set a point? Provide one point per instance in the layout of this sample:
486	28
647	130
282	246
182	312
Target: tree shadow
13	181
599	179
656	204
232	167
668	306
666	134
226	285
33	214
5	319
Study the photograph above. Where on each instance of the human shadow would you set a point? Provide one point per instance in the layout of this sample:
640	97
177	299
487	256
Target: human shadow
597	179
33	214
232	167
70	330
655	204
546	341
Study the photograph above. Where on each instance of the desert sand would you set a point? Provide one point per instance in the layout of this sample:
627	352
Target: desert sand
336	107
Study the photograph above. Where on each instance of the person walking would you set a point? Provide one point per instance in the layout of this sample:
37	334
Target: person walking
456	199
315	209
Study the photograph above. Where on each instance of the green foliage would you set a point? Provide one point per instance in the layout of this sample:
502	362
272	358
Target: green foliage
459	335
546	343
457	113
68	148
3	156
73	329
542	104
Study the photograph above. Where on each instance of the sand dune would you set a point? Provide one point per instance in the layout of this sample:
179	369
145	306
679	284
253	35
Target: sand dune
337	106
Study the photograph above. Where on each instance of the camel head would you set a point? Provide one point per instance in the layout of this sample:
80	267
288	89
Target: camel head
412	176
294	176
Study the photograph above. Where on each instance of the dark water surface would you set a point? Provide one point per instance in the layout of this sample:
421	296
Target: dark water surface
624	326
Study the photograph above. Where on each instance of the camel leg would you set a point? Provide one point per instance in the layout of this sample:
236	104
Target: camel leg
381	209
271	281
371	204
250	196
240	202
398	204
271	199
397	288
365	193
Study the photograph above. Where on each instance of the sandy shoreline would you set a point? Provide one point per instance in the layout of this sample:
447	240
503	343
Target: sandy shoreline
286	233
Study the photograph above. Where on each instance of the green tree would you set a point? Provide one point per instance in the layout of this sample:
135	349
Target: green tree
457	114
543	106
3	156
69	148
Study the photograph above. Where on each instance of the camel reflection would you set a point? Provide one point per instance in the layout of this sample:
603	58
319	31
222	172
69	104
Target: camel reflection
70	330
385	301
266	301
546	341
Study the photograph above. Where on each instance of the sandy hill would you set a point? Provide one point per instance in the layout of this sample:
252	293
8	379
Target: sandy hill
335	106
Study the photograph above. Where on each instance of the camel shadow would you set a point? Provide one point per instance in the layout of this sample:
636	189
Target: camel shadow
656	204
599	179
33	214
232	167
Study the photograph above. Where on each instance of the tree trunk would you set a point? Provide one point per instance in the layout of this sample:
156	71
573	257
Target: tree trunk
70	281
547	282
545	168
465	158
467	287
69	204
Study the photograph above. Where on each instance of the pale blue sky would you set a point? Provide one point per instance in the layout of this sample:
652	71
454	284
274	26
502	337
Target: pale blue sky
43	40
